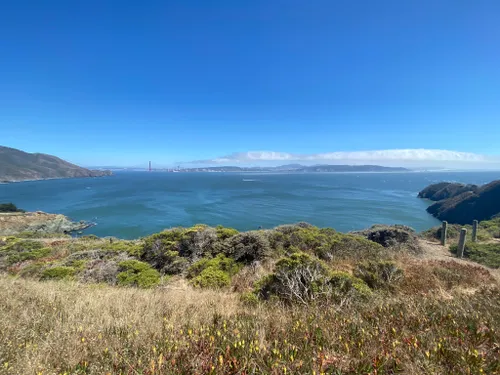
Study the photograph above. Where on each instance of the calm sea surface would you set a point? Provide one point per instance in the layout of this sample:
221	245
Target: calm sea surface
134	204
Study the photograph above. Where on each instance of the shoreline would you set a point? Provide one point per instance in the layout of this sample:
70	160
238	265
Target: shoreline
7	182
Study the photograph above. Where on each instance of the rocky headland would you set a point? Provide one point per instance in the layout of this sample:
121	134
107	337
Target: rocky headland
17	166
461	204
39	223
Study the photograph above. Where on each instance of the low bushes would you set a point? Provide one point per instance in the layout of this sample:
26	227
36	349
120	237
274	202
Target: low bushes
248	247
483	253
15	250
224	233
398	237
486	231
196	242
379	274
325	243
492	227
136	273
130	247
302	278
58	273
100	271
213	273
9	207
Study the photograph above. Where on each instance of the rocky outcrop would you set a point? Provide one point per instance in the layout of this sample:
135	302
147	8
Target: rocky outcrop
463	203
392	236
38	222
17	165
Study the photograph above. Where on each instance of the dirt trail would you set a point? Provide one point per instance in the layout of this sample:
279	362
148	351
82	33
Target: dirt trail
434	251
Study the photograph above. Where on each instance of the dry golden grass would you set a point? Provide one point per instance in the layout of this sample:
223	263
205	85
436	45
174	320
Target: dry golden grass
51	326
70	328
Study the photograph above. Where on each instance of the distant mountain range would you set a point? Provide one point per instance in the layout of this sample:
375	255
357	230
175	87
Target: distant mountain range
295	168
17	165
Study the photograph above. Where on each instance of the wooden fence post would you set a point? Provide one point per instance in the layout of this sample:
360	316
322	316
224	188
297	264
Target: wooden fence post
474	230
444	233
461	243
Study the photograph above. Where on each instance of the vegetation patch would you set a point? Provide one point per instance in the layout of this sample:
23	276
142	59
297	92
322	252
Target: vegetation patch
485	232
325	243
248	247
213	273
492	227
483	253
437	275
17	250
224	233
210	332
379	274
58	273
302	278
39	235
400	237
9	207
195	242
100	271
130	247
136	273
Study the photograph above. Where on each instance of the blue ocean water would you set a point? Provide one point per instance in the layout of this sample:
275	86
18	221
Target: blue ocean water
133	204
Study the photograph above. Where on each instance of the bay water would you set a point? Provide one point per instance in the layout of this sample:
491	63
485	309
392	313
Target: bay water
134	204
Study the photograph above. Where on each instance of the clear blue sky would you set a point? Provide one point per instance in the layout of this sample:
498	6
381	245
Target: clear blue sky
123	82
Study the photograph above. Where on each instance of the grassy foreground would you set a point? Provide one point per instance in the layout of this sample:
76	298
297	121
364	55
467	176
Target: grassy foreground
292	300
69	328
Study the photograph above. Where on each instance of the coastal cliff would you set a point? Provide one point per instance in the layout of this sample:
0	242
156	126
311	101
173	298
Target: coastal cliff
461	204
17	166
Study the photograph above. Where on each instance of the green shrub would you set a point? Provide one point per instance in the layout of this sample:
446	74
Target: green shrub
224	233
136	273
212	278
31	270
15	250
174	264
42	235
302	278
36	254
9	207
346	287
249	298
58	273
483	253
119	246
399	237
195	242
379	274
248	247
198	242
325	243
90	237
157	246
213	273
24	246
492	227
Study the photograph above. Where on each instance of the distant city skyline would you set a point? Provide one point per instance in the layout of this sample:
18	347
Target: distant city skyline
179	82
413	159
